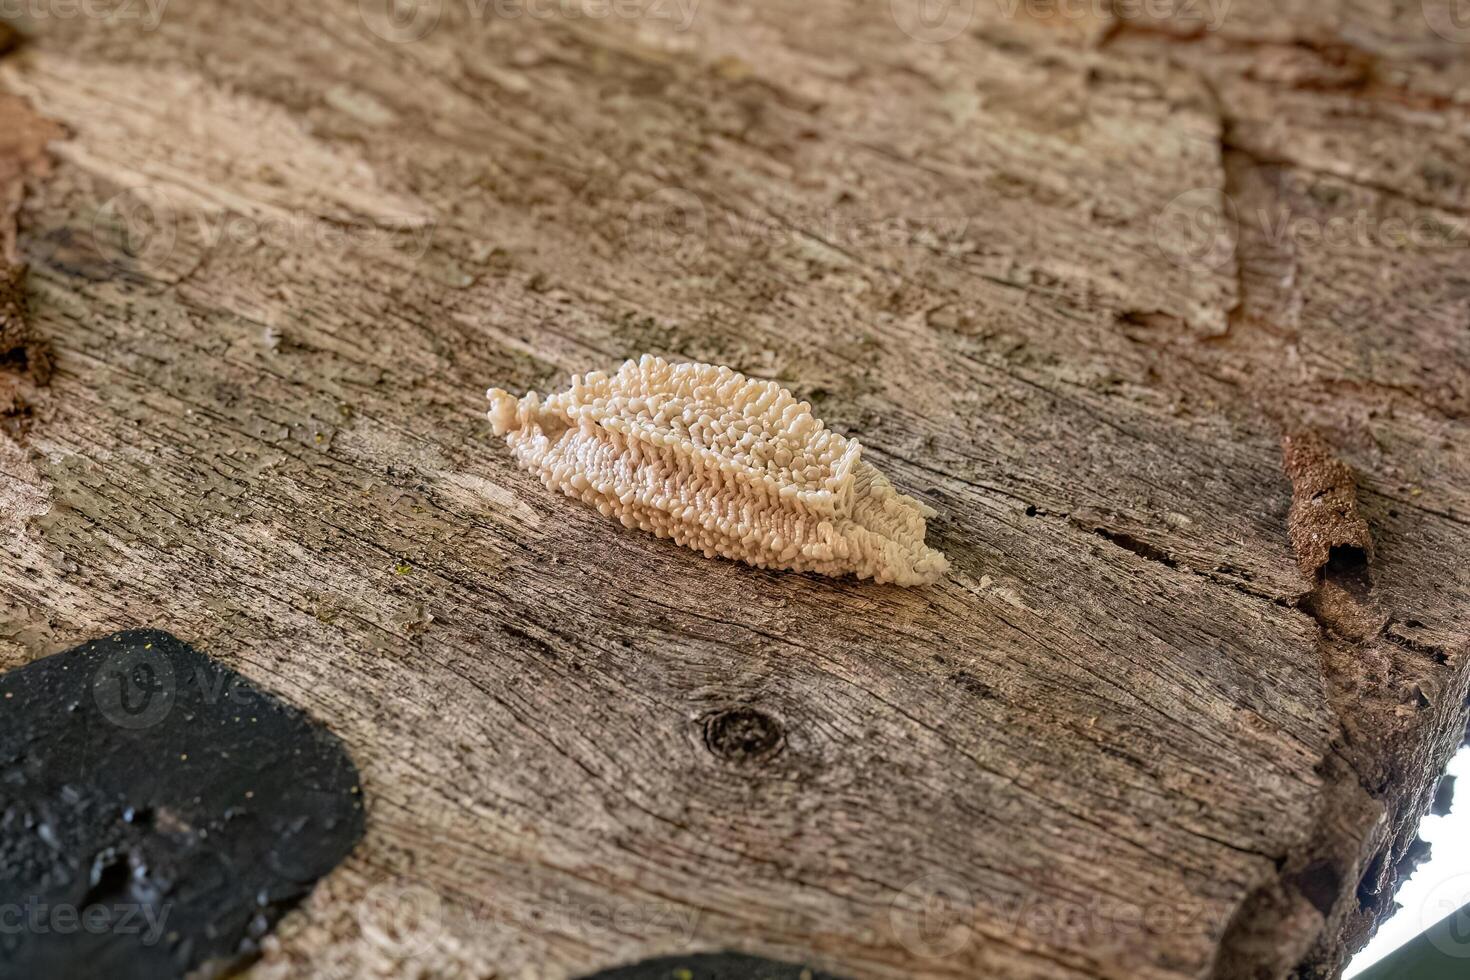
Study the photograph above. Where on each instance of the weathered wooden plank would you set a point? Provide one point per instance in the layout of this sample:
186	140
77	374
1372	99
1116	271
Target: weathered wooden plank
281	256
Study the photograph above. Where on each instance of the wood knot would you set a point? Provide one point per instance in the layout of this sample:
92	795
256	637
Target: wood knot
743	734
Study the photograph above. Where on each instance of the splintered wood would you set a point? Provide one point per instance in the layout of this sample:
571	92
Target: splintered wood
723	464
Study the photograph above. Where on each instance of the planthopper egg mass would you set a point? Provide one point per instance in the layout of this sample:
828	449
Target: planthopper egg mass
723	464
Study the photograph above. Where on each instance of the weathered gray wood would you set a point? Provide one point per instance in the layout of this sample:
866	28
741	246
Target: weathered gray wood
280	257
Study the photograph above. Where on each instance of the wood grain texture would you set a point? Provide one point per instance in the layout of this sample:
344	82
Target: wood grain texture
1067	277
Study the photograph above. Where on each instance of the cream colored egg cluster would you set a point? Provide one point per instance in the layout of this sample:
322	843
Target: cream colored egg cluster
723	464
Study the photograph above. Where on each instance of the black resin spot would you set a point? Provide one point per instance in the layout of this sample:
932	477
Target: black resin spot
158	813
711	966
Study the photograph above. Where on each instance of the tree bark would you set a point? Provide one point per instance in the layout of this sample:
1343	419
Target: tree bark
1068	275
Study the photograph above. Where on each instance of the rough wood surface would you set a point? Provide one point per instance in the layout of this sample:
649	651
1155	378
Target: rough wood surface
1069	275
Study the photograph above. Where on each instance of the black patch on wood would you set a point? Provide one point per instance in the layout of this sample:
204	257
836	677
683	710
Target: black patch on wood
711	966
158	812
